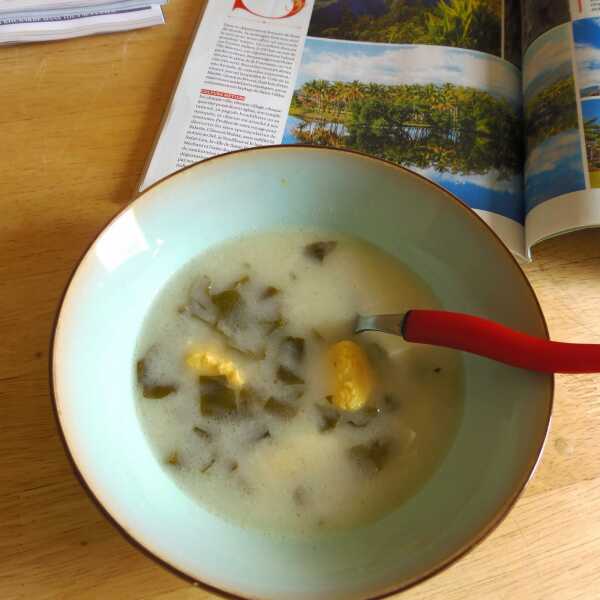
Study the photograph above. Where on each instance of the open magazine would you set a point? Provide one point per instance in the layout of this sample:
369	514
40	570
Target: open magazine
496	102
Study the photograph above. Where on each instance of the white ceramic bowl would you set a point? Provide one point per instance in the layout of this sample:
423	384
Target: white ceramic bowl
506	413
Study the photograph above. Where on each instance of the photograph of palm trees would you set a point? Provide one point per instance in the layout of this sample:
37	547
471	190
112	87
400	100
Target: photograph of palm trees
586	35
590	110
554	163
452	115
539	16
472	24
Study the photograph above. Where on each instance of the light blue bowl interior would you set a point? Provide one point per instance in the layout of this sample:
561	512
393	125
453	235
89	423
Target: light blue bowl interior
506	410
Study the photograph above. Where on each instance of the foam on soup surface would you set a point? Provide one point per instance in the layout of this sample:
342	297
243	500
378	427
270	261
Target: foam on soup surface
262	404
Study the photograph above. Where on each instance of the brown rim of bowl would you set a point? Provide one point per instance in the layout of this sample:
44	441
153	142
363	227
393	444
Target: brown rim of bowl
476	539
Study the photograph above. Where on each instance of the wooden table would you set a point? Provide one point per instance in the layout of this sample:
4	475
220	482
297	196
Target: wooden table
77	120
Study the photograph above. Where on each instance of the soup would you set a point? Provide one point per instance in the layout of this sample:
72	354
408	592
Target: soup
264	406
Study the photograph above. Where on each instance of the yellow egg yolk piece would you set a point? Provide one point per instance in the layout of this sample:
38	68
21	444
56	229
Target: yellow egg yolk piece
353	376
210	363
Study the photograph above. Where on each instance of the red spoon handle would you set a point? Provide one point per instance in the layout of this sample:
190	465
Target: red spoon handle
495	341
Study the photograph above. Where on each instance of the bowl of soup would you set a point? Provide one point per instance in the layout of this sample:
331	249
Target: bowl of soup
216	402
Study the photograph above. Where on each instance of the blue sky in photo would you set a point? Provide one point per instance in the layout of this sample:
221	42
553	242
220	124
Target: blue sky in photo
395	64
590	109
553	168
547	60
586	33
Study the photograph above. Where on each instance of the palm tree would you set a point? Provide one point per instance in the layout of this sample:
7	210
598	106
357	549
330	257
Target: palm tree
338	91
321	87
354	92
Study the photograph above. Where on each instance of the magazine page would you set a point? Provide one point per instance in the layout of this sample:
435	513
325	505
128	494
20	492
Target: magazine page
236	86
423	84
561	87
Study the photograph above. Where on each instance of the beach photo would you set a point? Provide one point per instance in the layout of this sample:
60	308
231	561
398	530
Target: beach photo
586	35
590	111
471	24
539	16
451	115
554	162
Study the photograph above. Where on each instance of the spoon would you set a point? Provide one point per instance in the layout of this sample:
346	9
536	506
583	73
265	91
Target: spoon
485	338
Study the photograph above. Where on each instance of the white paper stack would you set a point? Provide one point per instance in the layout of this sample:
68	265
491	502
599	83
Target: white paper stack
43	20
